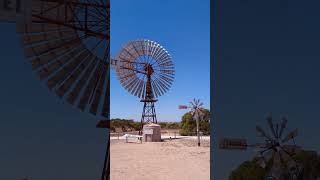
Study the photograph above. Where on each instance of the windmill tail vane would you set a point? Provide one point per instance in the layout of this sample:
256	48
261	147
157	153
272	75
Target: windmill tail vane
183	107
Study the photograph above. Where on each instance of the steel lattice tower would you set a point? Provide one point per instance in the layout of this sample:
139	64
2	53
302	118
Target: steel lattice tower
149	112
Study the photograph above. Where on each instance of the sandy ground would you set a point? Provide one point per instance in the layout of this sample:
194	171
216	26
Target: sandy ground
178	159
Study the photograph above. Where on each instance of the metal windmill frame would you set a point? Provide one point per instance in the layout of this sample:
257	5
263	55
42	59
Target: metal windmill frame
196	109
274	147
145	69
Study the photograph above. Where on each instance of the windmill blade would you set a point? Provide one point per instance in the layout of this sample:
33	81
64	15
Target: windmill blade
200	104
283	126
197	102
272	127
291	150
262	133
65	55
287	156
290	136
264	157
192	103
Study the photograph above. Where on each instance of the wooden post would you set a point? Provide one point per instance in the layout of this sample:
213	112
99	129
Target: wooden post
197	121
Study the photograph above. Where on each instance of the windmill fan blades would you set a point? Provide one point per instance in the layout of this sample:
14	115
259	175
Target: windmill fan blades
261	132
142	59
264	157
283	126
67	45
290	136
272	127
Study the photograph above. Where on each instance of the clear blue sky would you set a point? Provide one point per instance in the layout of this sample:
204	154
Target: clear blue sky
266	61
183	28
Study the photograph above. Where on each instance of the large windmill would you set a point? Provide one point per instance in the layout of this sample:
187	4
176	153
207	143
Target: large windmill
145	69
67	43
277	149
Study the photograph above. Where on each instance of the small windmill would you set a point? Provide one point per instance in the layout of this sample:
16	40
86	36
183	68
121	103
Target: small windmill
196	111
278	149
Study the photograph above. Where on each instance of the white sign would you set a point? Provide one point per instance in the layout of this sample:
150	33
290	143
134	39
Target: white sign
10	9
148	131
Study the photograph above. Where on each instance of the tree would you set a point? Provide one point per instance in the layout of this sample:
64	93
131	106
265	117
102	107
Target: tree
250	170
124	124
188	124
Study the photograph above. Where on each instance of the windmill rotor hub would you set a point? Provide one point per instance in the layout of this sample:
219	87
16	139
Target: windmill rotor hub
148	69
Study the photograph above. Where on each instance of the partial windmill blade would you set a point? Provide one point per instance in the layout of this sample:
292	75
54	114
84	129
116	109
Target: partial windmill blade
272	127
283	126
264	157
290	136
291	150
197	102
268	154
262	133
67	44
193	103
287	156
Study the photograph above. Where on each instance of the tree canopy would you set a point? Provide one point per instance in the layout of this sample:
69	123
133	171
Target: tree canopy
124	124
188	124
250	170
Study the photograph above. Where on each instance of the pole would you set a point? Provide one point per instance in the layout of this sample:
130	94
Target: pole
106	164
197	121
